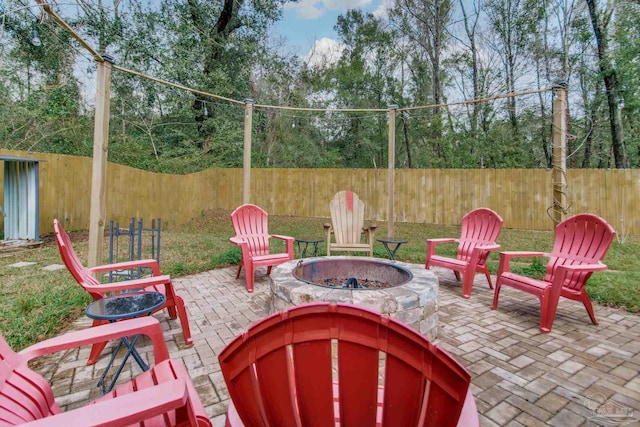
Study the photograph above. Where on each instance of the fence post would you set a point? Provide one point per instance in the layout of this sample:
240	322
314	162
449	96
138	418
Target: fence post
98	208
559	152
392	165
246	163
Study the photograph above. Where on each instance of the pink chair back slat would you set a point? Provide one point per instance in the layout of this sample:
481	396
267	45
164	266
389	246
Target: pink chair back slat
24	395
481	226
358	383
71	260
313	378
251	223
581	239
400	408
364	394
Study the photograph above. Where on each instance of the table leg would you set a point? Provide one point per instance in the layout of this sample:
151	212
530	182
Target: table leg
391	252
131	351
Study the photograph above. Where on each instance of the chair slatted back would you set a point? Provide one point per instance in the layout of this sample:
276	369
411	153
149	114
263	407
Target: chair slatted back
580	239
347	217
481	226
24	395
251	223
321	363
71	260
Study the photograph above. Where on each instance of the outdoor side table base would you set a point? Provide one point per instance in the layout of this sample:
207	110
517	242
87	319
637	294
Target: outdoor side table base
120	307
390	241
304	243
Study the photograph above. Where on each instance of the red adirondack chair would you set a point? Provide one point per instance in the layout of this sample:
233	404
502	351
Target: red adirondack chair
334	364
480	230
250	224
581	243
163	395
85	277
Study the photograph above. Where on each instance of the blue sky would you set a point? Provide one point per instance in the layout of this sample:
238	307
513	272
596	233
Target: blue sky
310	20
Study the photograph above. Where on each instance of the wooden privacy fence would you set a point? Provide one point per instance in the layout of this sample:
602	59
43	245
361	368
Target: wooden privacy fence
435	196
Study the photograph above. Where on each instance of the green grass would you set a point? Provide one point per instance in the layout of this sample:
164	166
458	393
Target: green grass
36	304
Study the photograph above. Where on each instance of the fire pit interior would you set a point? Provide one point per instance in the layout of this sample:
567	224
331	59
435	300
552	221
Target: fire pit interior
406	292
354	273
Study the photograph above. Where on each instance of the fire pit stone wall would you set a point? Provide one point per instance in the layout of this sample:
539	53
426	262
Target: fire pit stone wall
414	303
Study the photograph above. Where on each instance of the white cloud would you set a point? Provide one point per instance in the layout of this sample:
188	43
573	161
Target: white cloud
313	9
324	52
382	11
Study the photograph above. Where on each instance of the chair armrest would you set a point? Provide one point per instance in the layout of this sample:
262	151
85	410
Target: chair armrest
149	263
281	237
431	245
148	326
493	247
371	227
505	259
289	242
326	226
583	268
127	409
442	240
239	241
128	284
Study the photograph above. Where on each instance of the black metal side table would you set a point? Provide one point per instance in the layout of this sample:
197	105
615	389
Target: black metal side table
304	244
120	307
395	244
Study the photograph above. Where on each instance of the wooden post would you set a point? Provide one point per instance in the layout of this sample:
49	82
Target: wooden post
98	208
559	152
391	171
246	164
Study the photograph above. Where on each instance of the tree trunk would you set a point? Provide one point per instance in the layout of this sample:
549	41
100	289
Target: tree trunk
612	86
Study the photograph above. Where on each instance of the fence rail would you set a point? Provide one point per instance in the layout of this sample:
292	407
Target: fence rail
436	196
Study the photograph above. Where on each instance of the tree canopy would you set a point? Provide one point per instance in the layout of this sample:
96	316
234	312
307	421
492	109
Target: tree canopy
417	53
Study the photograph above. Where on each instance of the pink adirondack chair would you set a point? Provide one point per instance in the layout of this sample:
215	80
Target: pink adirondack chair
480	230
347	225
85	278
282	372
163	395
250	223
580	244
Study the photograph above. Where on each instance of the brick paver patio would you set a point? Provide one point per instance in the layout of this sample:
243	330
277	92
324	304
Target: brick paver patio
520	377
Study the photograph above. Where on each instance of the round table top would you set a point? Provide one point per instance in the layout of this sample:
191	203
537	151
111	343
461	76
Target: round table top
391	240
125	306
308	239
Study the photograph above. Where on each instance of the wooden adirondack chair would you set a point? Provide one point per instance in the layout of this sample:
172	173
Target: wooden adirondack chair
85	277
282	372
163	395
580	244
347	225
250	224
480	230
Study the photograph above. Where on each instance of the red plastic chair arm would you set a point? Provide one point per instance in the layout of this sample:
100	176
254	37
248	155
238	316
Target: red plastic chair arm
128	284
148	326
442	240
505	258
488	247
237	241
123	410
149	263
280	237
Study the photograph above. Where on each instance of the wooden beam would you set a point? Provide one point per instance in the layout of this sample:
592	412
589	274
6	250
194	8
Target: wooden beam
246	163
98	208
391	171
559	153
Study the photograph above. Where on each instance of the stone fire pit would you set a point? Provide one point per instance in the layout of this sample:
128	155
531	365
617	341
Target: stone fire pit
412	298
